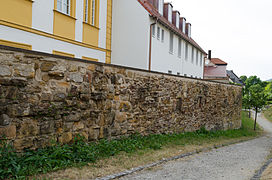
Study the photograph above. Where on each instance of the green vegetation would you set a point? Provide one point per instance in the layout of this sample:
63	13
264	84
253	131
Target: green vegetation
80	153
268	91
268	113
255	94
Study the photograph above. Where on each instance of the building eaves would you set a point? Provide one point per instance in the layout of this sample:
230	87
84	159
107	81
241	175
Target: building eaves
218	61
156	15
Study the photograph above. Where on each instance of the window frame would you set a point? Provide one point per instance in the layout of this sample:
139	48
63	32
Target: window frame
171	43
186	51
162	36
193	54
158	33
63	3
179	47
90	12
86	11
153	29
197	57
201	59
93	12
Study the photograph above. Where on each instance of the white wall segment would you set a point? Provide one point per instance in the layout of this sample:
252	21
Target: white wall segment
42	15
79	21
130	34
102	23
163	61
45	44
130	42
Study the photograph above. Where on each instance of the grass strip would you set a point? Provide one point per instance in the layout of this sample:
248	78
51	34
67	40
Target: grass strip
80	153
268	113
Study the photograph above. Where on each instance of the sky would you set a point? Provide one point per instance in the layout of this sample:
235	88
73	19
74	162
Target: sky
237	31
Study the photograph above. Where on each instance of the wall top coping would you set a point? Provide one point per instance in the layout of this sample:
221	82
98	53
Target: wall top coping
2	47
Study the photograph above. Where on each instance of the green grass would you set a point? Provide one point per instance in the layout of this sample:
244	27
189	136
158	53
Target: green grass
80	153
268	114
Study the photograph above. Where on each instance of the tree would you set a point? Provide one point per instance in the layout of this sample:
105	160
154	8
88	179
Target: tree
257	99
268	91
246	103
243	78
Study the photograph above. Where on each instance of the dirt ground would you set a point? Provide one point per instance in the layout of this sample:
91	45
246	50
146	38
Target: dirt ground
267	174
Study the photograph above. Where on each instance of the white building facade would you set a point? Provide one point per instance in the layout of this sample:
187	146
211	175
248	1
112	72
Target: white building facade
74	28
148	34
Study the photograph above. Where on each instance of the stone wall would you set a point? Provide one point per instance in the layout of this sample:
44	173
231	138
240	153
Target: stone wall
45	97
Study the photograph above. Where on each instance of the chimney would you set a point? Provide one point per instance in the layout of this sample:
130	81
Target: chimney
167	11
160	6
182	24
175	19
210	54
188	30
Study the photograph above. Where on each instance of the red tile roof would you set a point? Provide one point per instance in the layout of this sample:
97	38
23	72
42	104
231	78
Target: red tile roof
218	61
154	13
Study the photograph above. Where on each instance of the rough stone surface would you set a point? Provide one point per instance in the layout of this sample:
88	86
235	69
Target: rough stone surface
4	120
47	98
5	71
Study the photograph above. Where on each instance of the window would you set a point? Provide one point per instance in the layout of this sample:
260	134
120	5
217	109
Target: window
90	12
179	48
158	33
178	73
196	57
93	12
86	13
193	54
185	75
169	72
162	35
171	46
153	30
186	51
201	58
64	6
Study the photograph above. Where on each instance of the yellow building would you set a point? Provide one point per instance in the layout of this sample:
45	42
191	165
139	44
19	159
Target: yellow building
74	28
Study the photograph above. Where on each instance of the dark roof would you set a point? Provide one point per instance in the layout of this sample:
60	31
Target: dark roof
235	78
218	61
154	13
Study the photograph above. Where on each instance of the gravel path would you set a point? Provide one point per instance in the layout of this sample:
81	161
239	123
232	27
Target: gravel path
239	161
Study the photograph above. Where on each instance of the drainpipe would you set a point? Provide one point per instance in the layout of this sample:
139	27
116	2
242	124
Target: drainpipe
150	44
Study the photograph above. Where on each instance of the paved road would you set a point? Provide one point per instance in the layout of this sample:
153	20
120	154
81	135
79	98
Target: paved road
239	161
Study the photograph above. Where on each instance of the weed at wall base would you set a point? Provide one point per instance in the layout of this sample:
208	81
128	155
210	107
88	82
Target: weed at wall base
80	153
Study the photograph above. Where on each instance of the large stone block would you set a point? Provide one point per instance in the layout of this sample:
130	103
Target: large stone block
47	66
75	77
24	70
24	143
78	126
5	120
73	117
8	131
65	138
47	127
28	127
5	70
18	110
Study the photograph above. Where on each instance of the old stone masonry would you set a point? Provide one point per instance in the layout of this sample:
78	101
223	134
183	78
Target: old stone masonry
45	97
